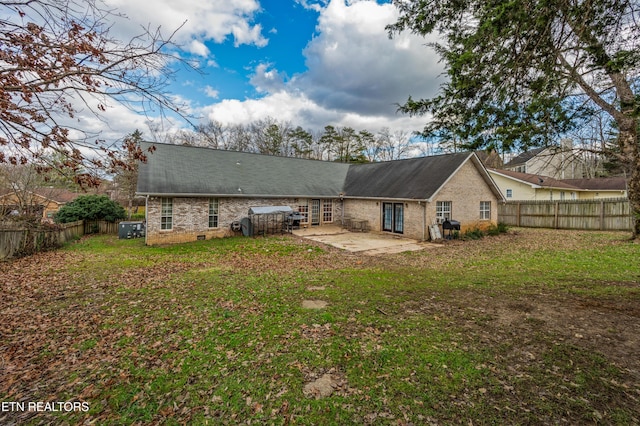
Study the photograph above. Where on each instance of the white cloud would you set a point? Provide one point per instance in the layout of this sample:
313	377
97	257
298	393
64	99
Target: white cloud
354	66
282	105
211	20
199	48
211	92
356	75
316	5
267	79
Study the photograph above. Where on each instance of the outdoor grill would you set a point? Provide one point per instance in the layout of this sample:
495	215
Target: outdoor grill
451	225
293	220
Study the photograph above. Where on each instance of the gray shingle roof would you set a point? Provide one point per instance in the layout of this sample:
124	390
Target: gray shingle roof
185	170
177	170
539	180
599	184
414	178
524	157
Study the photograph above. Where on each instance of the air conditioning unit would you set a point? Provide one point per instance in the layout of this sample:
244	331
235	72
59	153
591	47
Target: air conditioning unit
127	230
440	219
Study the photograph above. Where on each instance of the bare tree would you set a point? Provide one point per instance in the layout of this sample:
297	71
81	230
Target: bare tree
126	175
391	145
57	58
25	190
213	134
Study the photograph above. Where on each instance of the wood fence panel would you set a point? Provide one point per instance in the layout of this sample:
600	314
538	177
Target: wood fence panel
72	231
20	241
26	241
10	242
100	227
578	215
508	214
610	215
537	215
617	216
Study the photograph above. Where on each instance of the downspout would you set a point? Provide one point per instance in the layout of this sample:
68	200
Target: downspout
424	220
146	219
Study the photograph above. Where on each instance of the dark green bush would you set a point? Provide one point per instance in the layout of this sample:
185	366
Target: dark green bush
90	207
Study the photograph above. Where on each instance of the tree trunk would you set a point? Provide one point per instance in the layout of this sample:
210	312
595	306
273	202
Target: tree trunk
634	195
631	154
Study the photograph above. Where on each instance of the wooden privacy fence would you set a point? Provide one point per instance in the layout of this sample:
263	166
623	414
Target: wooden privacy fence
606	215
17	240
100	227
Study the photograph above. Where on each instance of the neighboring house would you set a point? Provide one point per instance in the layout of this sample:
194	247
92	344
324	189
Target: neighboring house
527	186
490	159
196	192
43	202
558	162
599	188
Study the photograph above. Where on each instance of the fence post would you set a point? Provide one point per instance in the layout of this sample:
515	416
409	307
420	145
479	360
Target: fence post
518	215
555	214
602	215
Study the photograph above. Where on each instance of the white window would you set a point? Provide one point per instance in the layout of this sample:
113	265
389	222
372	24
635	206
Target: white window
303	209
485	210
213	212
443	209
327	211
166	215
509	193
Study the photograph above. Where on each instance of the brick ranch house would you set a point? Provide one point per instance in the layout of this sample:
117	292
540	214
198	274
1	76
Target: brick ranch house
194	192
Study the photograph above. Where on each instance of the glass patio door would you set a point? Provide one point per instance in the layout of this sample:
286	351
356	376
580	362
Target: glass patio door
393	217
315	212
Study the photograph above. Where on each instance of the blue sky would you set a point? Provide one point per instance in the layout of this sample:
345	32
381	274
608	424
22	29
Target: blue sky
307	62
288	27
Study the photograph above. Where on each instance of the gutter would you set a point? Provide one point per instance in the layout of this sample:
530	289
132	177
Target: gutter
406	200
200	195
336	196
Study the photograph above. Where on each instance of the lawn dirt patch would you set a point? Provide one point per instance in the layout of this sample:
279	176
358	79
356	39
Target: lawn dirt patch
608	327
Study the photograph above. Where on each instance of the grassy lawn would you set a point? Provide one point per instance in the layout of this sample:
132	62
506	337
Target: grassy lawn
531	327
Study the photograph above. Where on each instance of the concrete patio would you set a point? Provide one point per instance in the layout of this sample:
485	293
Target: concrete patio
369	243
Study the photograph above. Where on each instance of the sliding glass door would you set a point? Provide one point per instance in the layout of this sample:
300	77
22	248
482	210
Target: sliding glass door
393	217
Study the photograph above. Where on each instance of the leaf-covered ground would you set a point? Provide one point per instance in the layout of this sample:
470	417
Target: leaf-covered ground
531	327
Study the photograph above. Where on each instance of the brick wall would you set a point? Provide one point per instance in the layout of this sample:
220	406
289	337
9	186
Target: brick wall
191	217
465	190
371	211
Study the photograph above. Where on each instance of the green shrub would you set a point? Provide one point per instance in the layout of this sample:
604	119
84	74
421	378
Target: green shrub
90	207
137	216
498	229
473	234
